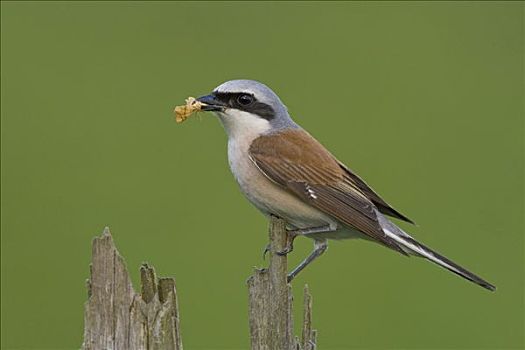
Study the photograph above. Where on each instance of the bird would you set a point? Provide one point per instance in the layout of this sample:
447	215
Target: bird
285	172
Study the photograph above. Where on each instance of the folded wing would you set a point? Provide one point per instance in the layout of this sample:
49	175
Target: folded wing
300	164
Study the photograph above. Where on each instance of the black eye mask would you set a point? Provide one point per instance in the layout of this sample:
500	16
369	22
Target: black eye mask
237	99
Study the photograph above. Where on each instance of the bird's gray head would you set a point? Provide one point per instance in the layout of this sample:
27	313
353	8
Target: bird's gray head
247	106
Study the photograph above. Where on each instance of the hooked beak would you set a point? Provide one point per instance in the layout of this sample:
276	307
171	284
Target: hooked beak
211	103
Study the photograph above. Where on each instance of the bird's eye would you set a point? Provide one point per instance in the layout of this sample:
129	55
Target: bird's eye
245	99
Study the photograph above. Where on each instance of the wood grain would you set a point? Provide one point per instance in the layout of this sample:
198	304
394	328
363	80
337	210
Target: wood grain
118	318
271	299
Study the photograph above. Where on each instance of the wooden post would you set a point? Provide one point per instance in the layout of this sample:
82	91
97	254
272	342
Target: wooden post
118	318
309	335
270	301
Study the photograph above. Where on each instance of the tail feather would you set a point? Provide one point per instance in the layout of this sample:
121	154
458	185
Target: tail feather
414	247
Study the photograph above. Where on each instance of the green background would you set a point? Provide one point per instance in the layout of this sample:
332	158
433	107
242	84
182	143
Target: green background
424	100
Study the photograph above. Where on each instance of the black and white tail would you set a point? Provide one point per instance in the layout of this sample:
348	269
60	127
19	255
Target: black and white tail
411	246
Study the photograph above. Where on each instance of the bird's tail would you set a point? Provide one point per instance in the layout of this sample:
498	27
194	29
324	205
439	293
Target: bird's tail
411	246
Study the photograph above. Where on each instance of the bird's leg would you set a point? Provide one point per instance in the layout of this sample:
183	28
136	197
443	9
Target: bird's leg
292	234
320	247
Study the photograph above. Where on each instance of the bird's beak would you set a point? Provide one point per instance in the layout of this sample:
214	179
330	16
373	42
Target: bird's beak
211	103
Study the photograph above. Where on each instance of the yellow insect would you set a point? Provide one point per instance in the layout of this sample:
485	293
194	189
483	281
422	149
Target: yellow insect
183	112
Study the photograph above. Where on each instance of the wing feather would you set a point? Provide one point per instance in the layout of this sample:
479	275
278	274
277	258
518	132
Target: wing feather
299	164
381	205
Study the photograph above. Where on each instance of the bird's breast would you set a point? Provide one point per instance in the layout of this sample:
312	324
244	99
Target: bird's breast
266	195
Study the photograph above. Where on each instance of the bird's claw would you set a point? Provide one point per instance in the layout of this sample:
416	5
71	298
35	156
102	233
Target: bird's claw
290	236
285	251
265	251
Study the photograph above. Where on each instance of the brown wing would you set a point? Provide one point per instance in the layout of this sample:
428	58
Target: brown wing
381	205
297	162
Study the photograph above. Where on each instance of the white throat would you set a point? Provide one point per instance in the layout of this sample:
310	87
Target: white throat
242	126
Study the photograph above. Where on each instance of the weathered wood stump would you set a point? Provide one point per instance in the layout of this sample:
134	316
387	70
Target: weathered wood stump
118	318
270	302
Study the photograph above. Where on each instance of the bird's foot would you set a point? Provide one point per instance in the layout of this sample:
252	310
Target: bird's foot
265	251
290	237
